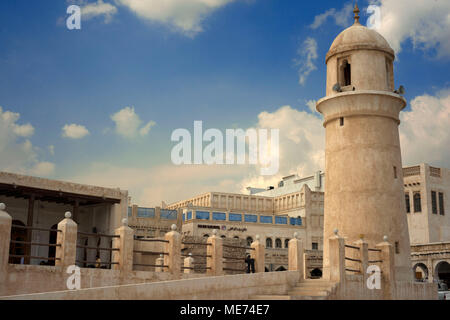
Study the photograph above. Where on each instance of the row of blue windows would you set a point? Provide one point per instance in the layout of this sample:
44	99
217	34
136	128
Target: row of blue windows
202	215
221	216
189	215
281	220
265	219
145	212
168	214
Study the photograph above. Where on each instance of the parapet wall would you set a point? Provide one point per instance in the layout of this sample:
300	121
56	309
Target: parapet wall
355	288
232	287
29	279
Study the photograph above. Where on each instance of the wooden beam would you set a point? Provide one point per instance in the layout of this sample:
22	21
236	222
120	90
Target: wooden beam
29	224
76	208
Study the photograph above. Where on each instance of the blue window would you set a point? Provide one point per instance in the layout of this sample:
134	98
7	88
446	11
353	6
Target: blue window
235	217
251	218
295	221
219	216
189	215
130	211
184	217
168	214
202	215
146	212
265	219
280	220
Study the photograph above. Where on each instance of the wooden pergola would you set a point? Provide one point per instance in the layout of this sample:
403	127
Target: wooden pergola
53	196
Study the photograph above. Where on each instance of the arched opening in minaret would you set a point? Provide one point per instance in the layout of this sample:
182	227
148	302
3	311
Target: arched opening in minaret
347	73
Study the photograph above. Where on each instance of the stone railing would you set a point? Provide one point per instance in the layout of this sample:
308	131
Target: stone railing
435	172
124	249
355	259
411	171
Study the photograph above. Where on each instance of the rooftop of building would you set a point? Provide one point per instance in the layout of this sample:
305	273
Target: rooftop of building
22	186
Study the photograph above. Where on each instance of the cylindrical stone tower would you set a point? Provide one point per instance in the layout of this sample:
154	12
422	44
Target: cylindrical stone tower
364	194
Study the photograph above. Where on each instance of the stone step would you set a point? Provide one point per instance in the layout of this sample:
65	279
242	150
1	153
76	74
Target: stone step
308	292
295	297
314	285
270	297
314	281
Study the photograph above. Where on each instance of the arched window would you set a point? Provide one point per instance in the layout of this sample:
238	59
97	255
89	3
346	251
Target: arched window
347	73
235	237
268	243
278	243
286	243
223	237
206	235
249	241
417	202
408	207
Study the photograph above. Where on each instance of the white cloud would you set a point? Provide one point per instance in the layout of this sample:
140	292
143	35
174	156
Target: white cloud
302	140
341	17
128	123
18	154
171	183
42	169
302	143
51	150
424	131
307	56
425	23
74	131
311	104
97	9
26	130
146	129
183	15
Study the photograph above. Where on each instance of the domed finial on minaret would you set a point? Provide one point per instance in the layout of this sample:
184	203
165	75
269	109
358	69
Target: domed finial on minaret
356	12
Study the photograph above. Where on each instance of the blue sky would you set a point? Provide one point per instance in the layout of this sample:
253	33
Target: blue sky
229	64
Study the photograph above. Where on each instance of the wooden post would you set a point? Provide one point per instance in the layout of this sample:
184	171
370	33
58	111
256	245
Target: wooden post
30	219
76	208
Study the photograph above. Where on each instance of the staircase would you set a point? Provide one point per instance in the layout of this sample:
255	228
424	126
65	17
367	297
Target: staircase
308	289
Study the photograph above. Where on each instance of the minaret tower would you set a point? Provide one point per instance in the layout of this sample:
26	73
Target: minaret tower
364	194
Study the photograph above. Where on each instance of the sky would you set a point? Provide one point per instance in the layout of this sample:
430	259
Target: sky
99	105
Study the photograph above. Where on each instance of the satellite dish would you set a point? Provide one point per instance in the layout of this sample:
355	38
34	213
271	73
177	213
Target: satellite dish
337	87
